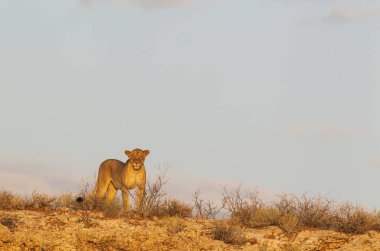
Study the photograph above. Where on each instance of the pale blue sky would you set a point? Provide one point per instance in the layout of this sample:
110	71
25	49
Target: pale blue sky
279	94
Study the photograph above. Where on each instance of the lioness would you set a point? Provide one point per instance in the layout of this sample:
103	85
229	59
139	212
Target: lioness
114	174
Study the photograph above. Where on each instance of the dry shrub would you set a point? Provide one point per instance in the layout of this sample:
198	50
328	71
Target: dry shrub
86	198
286	204
9	221
314	211
249	211
376	225
288	213
174	207
321	213
9	200
39	201
228	233
204	210
354	219
233	201
154	195
36	200
155	204
310	211
175	225
291	211
63	200
259	217
288	223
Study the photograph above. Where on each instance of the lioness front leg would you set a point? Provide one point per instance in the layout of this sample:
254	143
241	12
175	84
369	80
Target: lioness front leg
140	198
125	196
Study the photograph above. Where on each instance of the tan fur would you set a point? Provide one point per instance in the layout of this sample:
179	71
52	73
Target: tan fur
114	174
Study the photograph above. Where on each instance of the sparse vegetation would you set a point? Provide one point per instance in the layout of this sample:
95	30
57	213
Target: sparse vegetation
204	210
9	221
86	199
9	200
310	211
175	225
249	211
154	195
228	233
86	219
288	223
289	212
156	202
63	200
354	219
39	201
174	207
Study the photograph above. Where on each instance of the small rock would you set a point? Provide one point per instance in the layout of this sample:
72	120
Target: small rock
62	219
74	219
371	234
251	240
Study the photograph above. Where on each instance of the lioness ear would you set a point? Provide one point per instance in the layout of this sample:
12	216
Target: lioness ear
146	152
128	153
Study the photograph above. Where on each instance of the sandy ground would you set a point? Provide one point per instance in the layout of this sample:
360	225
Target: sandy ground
78	230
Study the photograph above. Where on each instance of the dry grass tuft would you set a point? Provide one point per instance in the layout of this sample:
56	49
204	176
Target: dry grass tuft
256	217
228	233
9	201
354	219
288	223
174	207
87	221
39	201
175	225
249	211
63	200
9	221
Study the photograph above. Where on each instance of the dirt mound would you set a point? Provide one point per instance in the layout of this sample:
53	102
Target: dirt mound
80	230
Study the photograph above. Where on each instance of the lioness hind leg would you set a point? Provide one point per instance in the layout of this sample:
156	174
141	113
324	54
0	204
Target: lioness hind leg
101	190
103	182
111	193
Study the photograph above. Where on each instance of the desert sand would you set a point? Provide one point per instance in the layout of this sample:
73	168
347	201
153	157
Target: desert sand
67	229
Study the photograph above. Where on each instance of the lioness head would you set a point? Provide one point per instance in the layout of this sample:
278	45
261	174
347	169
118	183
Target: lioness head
137	157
